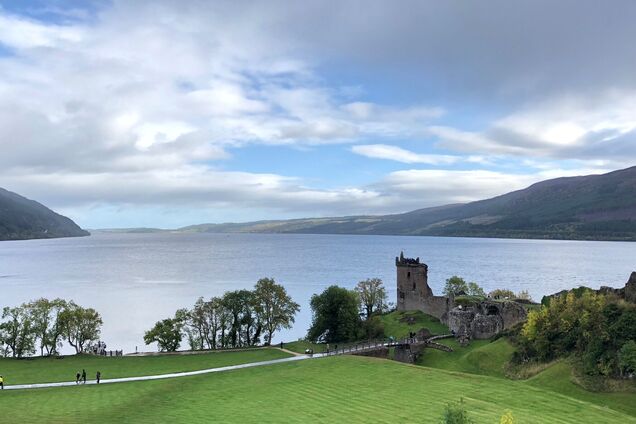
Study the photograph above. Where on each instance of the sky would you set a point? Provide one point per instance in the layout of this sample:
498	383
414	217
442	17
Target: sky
171	113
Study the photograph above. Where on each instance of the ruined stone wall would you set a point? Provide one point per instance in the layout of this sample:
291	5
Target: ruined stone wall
485	319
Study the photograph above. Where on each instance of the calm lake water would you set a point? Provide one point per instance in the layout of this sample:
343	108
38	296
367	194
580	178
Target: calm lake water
134	280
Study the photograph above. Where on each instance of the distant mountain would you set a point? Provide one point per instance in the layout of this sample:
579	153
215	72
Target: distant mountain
593	207
21	219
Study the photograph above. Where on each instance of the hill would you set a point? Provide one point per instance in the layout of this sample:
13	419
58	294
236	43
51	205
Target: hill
22	219
593	207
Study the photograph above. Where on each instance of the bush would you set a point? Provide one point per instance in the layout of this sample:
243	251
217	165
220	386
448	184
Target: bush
455	413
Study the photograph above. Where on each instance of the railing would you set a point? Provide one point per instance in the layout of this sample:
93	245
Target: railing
362	346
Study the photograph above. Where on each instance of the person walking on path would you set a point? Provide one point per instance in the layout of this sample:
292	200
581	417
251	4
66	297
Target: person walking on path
83	376
1	382
98	376
77	377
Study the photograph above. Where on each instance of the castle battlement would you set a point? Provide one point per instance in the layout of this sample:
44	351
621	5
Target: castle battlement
402	261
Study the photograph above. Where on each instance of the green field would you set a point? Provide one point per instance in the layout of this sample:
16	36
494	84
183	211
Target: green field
49	370
479	357
337	389
299	346
395	324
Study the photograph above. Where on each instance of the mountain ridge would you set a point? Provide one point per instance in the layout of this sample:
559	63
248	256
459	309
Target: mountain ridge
590	207
26	219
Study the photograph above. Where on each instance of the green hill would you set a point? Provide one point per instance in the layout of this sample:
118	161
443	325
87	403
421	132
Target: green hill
337	389
594	207
21	219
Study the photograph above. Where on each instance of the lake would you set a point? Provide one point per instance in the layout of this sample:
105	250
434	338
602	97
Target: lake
134	280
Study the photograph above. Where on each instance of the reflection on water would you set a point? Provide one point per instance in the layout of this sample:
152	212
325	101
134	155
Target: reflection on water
135	279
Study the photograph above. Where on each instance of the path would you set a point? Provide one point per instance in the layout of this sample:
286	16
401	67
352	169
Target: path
354	348
159	376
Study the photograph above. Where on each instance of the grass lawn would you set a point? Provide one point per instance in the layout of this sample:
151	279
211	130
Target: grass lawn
479	357
337	389
299	346
558	377
395	324
47	370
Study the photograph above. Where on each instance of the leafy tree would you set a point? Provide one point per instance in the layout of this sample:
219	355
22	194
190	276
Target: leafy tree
335	315
627	357
80	326
502	294
46	324
189	328
17	331
373	297
274	306
455	413
166	333
455	286
524	295
475	290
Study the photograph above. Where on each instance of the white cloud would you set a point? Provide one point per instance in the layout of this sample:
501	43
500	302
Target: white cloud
601	127
383	151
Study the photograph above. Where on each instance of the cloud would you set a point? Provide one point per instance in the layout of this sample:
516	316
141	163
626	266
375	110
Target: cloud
602	127
383	151
148	104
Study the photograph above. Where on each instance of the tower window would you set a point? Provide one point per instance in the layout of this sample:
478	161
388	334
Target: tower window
414	285
408	274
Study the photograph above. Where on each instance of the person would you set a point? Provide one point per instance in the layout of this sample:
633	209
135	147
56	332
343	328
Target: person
77	377
1	382
281	345
98	376
83	376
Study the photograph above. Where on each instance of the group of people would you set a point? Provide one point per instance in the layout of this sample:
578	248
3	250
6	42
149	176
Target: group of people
81	377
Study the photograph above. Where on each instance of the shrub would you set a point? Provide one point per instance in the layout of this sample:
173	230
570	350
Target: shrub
455	413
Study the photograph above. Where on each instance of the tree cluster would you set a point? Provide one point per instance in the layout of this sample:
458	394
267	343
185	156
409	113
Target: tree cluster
597	329
342	315
45	325
458	287
239	318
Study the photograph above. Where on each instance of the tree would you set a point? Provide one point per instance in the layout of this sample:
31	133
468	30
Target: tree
455	413
166	333
274	306
80	326
46	324
475	290
335	316
524	295
17	331
627	357
455	286
373	297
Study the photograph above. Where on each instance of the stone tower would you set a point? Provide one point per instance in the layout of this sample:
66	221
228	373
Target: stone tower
412	283
413	291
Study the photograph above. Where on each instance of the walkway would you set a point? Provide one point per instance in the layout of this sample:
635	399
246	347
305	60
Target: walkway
350	349
159	376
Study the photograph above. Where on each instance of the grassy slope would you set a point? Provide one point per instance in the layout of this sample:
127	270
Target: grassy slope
45	370
342	389
480	357
558	377
398	329
485	358
299	346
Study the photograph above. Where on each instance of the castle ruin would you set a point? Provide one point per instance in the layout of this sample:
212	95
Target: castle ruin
482	320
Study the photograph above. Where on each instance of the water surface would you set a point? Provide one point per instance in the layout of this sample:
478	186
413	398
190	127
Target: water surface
134	280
